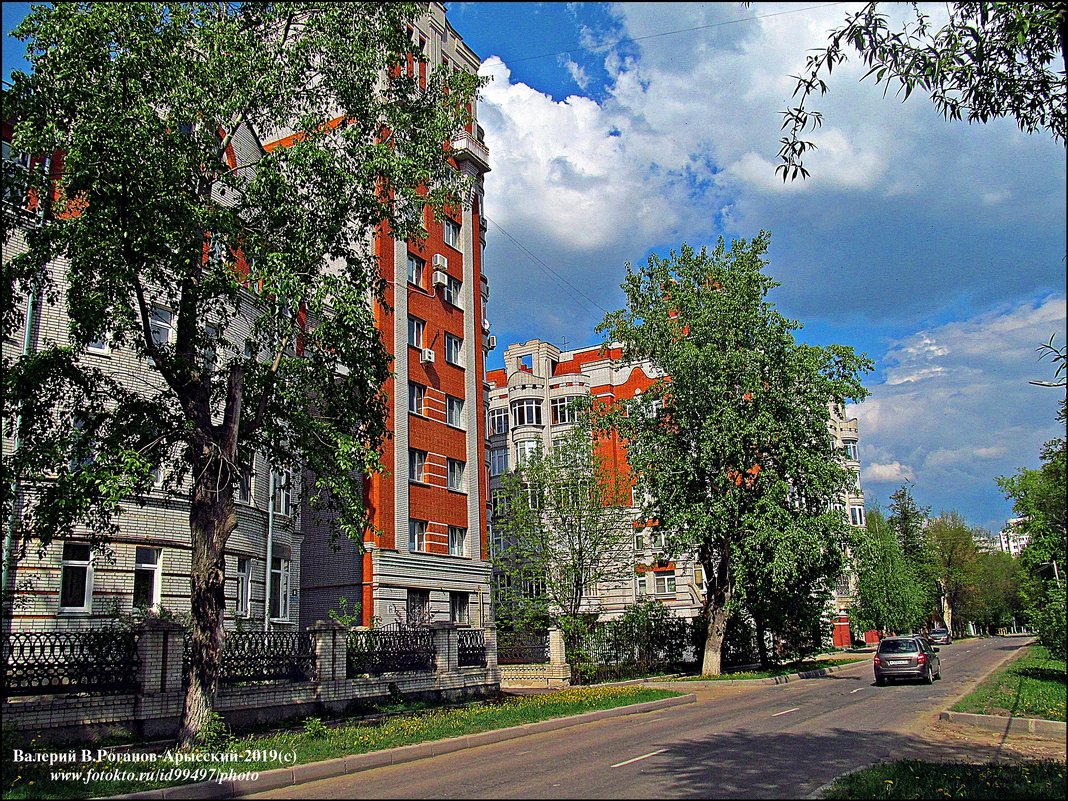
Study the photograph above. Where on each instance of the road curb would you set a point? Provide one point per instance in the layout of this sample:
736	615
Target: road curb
1049	729
355	763
707	685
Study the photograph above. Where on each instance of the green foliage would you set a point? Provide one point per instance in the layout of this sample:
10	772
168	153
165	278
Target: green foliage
1049	622
912	778
993	599
1032	686
564	528
314	728
347	617
737	464
215	735
989	60
888	596
955	562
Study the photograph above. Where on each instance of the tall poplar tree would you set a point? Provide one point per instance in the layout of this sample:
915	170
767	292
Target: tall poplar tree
143	102
731	445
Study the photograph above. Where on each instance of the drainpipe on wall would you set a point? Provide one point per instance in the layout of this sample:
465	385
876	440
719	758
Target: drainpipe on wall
267	568
9	529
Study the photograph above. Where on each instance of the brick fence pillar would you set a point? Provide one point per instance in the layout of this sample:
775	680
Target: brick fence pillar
330	643
160	651
447	659
557	654
491	647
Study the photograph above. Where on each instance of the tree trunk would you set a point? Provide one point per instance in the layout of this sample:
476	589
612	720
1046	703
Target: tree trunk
211	519
711	665
762	645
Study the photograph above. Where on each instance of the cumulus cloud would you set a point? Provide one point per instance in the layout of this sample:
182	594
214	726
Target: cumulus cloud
894	473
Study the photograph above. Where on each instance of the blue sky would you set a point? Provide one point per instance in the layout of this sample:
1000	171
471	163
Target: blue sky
937	248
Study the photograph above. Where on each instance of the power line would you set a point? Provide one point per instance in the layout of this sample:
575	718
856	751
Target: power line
596	48
543	265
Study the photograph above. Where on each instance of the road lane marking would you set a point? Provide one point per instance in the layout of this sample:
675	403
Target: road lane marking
637	759
786	711
856	690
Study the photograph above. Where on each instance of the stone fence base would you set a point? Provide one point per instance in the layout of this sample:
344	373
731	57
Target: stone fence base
519	676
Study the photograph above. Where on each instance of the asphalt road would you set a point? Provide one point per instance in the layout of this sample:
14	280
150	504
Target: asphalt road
764	741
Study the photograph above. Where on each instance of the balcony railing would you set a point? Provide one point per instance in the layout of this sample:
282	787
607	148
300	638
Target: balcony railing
466	147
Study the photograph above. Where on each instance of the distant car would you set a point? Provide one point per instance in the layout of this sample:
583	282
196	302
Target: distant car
911	657
940	637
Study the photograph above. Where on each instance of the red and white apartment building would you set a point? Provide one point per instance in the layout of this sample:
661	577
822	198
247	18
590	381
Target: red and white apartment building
528	407
428	558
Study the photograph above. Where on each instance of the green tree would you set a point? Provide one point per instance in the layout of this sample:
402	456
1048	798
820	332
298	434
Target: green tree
888	596
993	599
989	60
909	522
564	528
144	100
954	557
1038	498
731	446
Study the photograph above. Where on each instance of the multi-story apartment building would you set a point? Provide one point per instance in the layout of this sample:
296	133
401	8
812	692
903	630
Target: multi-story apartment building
846	435
528	406
426	556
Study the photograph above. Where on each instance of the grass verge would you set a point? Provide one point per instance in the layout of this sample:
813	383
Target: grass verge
96	777
910	778
780	670
1032	686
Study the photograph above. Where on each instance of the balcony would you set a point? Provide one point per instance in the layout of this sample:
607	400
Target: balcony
465	147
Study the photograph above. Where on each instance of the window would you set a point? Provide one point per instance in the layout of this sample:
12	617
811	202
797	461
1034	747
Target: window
454	411
161	323
283	492
456	474
457	540
665	582
640	586
856	515
841	588
458	608
655	407
416	398
498	421
852	450
244	587
246	487
454	350
452	233
76	578
415	332
416	535
418	606
453	289
498	502
524	450
416	268
699	576
656	539
416	465
498	461
526	412
639	541
146	578
561	411
279	589
100	345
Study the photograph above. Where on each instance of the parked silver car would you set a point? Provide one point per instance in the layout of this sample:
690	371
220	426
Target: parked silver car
910	657
940	636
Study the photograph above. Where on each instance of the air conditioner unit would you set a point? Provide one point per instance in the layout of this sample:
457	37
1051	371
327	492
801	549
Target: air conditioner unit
440	262
440	278
491	342
427	356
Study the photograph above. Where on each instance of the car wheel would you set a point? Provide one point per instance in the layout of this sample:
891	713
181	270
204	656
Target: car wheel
880	681
938	675
929	677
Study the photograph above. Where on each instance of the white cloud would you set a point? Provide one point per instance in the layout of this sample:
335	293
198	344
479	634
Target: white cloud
894	473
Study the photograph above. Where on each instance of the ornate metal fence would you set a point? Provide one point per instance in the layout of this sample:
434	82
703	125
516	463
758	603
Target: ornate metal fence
252	657
522	647
392	648
471	647
39	662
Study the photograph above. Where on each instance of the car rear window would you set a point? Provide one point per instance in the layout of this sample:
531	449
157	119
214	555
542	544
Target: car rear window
898	647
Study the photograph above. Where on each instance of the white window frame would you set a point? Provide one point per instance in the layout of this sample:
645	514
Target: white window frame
416	332
71	562
498	502
498	461
416	398
454	350
460	608
669	580
246	485
453	291
526	411
283	492
524	449
498	420
148	560
641	585
99	347
852	449
417	535
457	541
243	596
450	232
560	411
417	465
856	515
639	540
157	324
416	271
455	474
454	411
280	570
